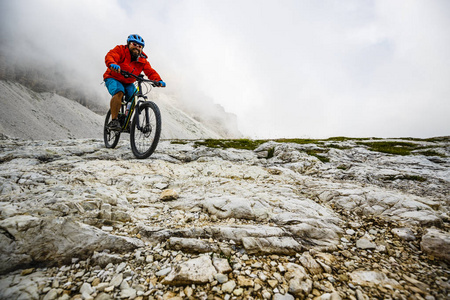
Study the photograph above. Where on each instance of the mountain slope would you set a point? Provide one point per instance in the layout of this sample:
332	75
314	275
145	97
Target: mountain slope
48	116
44	116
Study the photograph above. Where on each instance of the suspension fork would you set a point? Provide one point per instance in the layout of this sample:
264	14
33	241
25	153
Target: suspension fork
138	111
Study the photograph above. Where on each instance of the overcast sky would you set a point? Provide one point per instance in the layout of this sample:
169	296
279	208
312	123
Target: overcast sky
286	68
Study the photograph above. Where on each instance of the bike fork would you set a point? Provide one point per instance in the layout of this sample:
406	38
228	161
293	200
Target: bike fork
147	120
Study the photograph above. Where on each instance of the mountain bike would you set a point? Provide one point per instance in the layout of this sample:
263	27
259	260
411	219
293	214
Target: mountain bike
139	117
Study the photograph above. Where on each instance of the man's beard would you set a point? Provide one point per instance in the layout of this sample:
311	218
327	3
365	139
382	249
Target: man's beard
135	54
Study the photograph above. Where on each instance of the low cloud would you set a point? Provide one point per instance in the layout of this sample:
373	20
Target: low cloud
286	69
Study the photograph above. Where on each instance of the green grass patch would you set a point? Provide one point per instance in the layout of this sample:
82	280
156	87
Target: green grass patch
429	153
343	167
336	146
343	139
405	177
431	140
317	153
248	144
375	144
236	144
298	141
391	147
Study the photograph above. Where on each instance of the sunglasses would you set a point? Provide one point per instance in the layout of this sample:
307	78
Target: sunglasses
136	45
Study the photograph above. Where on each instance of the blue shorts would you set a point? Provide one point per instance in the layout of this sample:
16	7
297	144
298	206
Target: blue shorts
114	86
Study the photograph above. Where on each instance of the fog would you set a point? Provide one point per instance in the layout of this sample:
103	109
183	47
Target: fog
288	68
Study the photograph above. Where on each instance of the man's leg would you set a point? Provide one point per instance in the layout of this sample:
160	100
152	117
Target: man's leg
116	102
130	89
117	90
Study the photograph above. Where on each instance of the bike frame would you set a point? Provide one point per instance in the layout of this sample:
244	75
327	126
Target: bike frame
134	102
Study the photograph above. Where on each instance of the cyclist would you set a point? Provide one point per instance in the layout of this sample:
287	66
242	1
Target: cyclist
130	58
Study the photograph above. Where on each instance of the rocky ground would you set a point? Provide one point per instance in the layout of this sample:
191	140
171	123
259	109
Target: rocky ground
332	219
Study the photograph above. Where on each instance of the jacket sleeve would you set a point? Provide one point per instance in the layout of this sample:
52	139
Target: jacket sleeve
113	56
151	73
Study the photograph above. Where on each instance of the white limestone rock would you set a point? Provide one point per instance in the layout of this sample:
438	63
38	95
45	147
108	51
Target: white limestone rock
271	245
437	243
195	271
53	240
404	233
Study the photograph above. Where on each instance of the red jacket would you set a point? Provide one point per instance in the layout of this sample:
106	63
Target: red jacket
121	56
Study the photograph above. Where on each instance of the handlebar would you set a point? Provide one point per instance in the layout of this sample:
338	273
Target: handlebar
139	78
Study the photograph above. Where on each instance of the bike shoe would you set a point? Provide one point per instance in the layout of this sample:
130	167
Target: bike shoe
114	125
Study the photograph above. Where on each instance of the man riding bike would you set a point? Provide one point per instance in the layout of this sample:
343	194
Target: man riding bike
130	58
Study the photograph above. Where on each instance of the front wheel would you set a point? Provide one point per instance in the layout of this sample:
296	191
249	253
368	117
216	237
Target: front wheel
110	137
145	129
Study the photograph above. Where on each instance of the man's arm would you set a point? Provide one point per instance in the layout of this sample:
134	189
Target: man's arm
151	73
112	58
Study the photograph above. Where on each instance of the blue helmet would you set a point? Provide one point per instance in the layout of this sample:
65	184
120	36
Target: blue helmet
136	38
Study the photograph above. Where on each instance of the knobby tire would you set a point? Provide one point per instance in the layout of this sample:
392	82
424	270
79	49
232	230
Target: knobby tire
110	137
145	130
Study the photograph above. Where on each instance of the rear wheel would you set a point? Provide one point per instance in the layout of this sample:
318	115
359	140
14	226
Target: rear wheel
145	129
111	137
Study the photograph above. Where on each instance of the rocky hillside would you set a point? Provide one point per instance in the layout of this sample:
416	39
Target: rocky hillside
28	114
215	219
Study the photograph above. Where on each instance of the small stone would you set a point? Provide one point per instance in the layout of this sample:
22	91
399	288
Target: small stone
335	296
51	295
221	265
272	283
381	248
55	284
350	232
244	281
109	289
27	271
311	264
121	267
343	277
360	295
128	293
262	276
283	297
117	280
168	195
96	281
79	274
347	254
266	295
422	286
221	278
228	286
86	288
405	234
101	286
163	272
238	291
188	291
107	228
365	244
